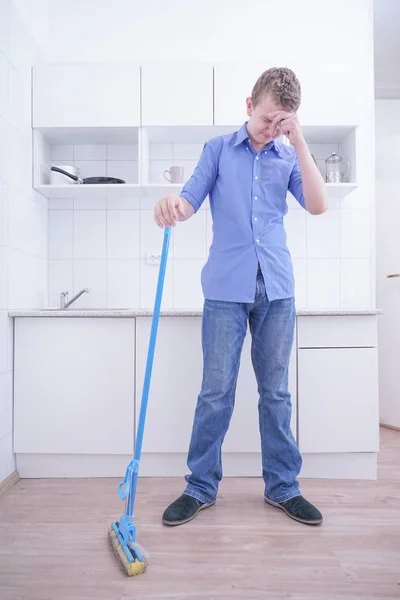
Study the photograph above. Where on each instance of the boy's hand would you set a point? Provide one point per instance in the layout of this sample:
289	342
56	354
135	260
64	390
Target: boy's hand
168	210
286	123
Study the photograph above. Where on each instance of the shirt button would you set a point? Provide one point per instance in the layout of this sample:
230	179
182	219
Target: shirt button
256	157
255	218
255	197
256	177
258	241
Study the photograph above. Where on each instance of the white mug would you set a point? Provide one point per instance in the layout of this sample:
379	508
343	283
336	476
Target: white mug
176	174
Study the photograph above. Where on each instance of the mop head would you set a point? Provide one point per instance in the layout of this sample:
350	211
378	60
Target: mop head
131	568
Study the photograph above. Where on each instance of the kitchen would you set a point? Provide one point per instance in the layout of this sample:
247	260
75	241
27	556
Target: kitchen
73	373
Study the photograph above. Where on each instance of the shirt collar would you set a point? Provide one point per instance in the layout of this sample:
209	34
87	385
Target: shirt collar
242	135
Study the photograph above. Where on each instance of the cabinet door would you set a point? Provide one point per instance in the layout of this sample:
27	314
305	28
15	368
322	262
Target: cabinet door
177	94
86	96
74	386
176	383
338	400
233	83
243	434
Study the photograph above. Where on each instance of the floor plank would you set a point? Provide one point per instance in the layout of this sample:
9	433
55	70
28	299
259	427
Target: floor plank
53	541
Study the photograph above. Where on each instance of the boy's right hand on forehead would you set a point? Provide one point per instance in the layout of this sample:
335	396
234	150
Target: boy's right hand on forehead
168	210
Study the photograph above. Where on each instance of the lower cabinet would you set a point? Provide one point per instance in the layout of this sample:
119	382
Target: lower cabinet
338	399
74	385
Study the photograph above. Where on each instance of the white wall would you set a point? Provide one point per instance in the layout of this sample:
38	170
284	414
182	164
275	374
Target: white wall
388	255
23	212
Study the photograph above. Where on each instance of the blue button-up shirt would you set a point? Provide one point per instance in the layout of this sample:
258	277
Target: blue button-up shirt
247	192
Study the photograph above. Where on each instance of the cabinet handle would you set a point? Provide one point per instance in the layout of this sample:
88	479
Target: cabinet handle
393	275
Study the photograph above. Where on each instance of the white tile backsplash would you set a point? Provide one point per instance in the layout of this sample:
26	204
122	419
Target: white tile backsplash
90	234
295	223
356	283
90	274
300	276
323	283
61	234
355	233
123	234
323	235
62	152
90	204
187	286
128	203
122	152
123	283
90	152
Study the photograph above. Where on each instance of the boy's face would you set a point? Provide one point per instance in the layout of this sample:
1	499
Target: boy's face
259	125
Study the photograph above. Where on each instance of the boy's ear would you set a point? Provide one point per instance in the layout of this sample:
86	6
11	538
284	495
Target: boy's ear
249	106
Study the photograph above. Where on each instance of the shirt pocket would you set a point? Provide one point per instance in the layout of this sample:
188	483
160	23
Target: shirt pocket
277	172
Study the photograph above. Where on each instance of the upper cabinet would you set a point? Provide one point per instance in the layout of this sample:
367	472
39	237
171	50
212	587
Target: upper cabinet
86	95
233	83
176	94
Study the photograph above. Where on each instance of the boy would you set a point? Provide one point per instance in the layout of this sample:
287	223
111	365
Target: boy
248	278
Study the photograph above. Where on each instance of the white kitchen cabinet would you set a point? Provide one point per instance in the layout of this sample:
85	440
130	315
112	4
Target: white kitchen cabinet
233	83
176	383
74	386
87	95
338	400
177	94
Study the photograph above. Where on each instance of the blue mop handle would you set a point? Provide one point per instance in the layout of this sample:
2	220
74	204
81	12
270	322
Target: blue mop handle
149	365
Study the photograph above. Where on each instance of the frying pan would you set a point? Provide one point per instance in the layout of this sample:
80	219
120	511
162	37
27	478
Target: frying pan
87	179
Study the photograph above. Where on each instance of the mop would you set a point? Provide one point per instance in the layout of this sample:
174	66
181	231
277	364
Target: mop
122	533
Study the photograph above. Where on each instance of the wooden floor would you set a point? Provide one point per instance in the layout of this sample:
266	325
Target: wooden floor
53	543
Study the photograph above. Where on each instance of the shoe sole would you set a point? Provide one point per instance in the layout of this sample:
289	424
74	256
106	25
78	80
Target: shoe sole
175	523
292	516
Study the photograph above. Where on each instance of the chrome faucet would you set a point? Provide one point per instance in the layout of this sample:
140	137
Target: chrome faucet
65	303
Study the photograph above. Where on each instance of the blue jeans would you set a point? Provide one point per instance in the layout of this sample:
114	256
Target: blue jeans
224	328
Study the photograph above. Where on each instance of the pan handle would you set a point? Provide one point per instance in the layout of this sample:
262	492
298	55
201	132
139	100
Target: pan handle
58	170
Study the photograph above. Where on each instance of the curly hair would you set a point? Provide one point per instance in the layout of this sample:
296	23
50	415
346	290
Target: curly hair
282	83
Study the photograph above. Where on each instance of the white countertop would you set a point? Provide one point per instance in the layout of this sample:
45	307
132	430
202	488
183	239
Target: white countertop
140	312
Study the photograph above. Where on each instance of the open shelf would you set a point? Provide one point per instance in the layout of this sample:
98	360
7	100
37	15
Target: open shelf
335	190
141	155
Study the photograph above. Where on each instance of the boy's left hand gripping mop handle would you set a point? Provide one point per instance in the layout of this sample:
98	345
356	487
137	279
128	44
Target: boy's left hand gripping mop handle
127	488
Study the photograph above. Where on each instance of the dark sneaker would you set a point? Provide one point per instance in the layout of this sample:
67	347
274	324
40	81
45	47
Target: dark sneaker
299	509
184	509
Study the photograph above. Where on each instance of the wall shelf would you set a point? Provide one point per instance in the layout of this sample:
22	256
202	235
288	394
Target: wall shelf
335	190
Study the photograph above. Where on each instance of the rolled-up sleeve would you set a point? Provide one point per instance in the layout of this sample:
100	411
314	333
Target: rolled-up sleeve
295	183
202	181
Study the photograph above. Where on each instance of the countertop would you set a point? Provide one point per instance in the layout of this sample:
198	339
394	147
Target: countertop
140	312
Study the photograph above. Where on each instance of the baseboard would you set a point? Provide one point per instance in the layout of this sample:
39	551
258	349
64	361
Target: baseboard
351	465
392	427
8	482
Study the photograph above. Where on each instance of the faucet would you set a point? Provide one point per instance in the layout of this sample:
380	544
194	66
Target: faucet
65	303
